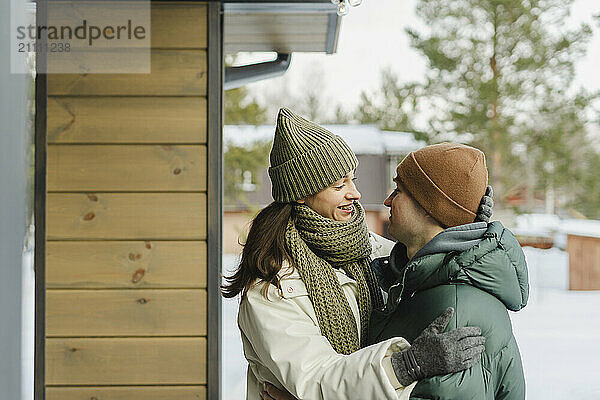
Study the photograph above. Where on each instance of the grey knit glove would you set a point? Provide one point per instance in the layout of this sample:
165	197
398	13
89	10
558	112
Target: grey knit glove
436	353
484	212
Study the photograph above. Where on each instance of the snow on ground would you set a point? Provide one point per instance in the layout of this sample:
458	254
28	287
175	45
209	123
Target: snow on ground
233	367
558	334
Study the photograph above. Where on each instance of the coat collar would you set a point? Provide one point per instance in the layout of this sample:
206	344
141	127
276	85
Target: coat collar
496	264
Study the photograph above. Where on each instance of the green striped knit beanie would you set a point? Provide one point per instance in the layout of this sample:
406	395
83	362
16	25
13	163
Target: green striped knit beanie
306	158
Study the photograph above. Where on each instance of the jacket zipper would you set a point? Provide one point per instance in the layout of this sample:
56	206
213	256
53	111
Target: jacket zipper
399	284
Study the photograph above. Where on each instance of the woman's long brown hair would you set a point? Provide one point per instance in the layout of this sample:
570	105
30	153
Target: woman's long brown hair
264	251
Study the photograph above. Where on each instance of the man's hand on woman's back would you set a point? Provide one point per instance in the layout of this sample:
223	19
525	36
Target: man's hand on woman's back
436	353
431	353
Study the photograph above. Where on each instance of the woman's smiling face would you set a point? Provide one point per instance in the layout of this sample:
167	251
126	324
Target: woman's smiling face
336	201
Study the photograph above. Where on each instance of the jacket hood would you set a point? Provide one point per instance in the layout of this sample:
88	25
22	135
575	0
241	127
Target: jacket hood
458	239
486	256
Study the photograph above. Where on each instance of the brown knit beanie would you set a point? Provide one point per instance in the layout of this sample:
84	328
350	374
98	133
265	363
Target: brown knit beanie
306	158
448	180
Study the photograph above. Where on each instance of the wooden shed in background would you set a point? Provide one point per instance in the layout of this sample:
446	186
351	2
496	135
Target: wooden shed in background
584	261
128	203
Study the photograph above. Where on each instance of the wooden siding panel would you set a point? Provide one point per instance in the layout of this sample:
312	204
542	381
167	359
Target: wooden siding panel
178	25
174	25
127	393
126	168
126	361
127	120
126	302
126	216
173	73
125	264
156	312
113	14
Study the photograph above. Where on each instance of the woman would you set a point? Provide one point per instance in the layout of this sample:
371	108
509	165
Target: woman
308	290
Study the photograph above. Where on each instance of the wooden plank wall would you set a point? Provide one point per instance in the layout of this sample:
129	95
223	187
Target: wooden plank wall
584	262
126	223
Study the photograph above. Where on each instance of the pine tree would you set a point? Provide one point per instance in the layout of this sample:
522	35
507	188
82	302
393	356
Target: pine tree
241	109
392	106
239	160
587	200
496	69
562	151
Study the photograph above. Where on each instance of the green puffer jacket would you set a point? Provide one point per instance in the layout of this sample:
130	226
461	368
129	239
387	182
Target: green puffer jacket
480	270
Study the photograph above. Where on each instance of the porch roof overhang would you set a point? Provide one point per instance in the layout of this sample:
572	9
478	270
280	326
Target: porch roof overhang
281	26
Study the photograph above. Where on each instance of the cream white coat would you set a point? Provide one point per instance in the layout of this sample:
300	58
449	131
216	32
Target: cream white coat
284	346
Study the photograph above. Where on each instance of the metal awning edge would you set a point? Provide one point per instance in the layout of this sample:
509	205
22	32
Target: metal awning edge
333	33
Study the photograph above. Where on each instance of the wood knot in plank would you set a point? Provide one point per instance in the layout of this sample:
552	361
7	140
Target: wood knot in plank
89	216
134	256
73	349
138	275
142	300
148	245
92	197
176	171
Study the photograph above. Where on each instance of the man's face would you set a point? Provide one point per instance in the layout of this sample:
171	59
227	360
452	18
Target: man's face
405	213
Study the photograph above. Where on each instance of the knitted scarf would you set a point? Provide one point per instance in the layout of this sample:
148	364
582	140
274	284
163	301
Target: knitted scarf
317	245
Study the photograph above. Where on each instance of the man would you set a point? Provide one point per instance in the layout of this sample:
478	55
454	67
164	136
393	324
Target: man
448	255
445	259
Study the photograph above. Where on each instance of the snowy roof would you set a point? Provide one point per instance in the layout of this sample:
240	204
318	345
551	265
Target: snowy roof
581	227
548	224
244	135
540	225
362	139
400	142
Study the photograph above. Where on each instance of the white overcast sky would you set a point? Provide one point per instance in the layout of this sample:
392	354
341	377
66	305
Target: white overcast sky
373	37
